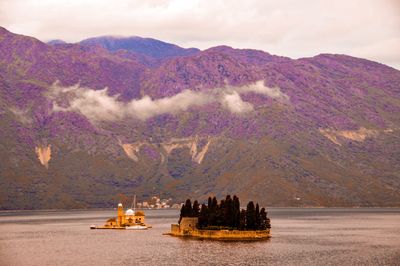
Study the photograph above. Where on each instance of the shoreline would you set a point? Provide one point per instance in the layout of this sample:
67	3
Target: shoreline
165	209
223	235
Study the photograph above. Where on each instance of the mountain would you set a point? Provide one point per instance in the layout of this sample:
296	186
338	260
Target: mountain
146	46
82	126
56	41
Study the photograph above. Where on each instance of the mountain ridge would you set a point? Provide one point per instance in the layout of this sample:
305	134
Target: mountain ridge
147	46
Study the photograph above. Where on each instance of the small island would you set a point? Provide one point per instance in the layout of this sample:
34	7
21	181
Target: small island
130	220
222	221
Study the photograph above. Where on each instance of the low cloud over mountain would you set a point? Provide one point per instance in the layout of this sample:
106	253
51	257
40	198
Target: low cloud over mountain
98	105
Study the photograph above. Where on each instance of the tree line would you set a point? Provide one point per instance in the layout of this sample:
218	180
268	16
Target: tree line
226	214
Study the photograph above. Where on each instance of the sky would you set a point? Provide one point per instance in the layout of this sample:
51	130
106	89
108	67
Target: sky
362	28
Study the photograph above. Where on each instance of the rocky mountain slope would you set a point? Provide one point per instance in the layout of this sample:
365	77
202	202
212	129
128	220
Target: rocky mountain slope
148	51
146	46
82	126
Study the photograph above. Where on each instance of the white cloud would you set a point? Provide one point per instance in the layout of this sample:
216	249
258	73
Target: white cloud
287	27
146	107
234	103
259	87
97	105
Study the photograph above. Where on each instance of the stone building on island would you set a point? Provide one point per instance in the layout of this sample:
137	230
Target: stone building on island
130	219
187	228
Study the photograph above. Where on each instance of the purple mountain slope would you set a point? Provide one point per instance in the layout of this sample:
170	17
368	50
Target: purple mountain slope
82	126
56	41
146	46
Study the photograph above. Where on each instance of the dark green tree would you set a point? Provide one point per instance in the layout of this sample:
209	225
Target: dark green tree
258	217
195	209
182	213
250	216
220	214
267	221
214	203
209	202
203	216
212	212
242	220
229	212
188	208
263	222
236	212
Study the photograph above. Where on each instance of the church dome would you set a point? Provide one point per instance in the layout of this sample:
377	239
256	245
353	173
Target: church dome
129	212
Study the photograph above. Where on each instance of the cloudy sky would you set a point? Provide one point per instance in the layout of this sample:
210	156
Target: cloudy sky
363	28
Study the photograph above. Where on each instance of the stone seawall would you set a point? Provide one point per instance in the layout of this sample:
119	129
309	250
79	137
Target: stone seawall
220	234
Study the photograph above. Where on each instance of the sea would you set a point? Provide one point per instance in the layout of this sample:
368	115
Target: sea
300	236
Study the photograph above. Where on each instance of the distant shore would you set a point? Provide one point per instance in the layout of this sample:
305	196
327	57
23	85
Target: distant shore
166	209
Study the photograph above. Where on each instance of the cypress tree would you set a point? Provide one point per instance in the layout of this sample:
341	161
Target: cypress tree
182	213
214	202
212	212
188	208
258	218
220	213
203	216
236	212
242	220
250	216
229	211
196	209
267	221
263	220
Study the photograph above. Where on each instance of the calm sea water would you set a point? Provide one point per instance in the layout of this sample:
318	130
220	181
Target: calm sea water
299	237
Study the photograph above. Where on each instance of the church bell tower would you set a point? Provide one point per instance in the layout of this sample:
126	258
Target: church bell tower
120	217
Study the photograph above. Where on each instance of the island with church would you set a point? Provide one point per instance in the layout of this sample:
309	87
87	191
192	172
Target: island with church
222	221
130	220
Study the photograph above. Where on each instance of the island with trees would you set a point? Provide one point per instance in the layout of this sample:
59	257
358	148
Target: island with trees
225	220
